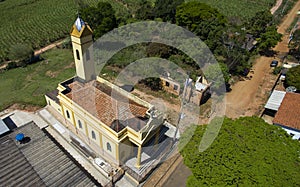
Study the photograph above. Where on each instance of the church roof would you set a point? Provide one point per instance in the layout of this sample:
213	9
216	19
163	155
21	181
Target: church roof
80	28
110	107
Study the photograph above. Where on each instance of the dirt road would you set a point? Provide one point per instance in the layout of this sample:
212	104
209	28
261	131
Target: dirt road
248	97
276	6
46	48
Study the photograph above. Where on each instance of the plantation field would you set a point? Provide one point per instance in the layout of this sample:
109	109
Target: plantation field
28	85
243	9
40	22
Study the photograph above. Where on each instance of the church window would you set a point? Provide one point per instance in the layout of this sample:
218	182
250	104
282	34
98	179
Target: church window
77	54
79	124
93	135
108	146
68	114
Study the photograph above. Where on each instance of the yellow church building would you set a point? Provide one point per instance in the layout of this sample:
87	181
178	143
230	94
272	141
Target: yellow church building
114	123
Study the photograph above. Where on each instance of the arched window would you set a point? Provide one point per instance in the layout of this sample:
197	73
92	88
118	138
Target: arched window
68	115
77	54
79	124
93	135
108	146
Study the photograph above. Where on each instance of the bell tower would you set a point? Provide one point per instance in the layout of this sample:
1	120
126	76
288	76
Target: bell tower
81	37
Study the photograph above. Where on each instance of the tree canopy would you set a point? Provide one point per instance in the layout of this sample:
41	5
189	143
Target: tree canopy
101	18
258	24
166	9
269	38
218	74
203	20
294	45
293	77
246	152
21	52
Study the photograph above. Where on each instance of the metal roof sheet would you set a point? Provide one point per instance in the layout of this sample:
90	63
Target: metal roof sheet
275	100
3	127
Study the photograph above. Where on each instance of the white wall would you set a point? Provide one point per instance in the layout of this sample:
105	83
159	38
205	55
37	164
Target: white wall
296	134
113	151
97	136
83	129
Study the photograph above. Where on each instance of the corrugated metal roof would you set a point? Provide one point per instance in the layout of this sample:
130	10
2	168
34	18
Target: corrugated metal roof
3	127
39	162
275	100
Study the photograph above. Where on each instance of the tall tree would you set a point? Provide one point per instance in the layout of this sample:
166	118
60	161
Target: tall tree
21	52
217	74
259	23
269	39
145	11
166	9
101	18
295	42
203	20
246	152
293	77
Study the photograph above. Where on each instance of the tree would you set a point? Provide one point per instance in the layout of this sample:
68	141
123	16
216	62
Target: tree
166	9
154	83
218	74
246	152
21	52
259	23
204	21
293	77
158	50
294	44
145	11
101	18
269	39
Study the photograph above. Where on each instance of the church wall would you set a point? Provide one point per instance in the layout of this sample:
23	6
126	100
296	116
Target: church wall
68	114
126	150
93	135
80	124
110	147
52	103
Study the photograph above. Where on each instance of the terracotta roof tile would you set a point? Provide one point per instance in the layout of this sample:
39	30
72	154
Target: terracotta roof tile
106	104
289	111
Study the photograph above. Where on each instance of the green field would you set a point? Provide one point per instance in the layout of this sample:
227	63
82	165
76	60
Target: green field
38	22
28	85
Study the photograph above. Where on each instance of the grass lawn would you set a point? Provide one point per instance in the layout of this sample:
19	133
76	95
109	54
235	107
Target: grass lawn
28	85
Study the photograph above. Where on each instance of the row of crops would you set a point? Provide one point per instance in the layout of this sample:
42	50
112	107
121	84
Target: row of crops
37	22
34	22
40	22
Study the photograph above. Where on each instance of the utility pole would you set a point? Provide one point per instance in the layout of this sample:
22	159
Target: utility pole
181	115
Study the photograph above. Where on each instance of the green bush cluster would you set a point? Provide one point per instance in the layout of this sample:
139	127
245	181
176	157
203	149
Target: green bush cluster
246	152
